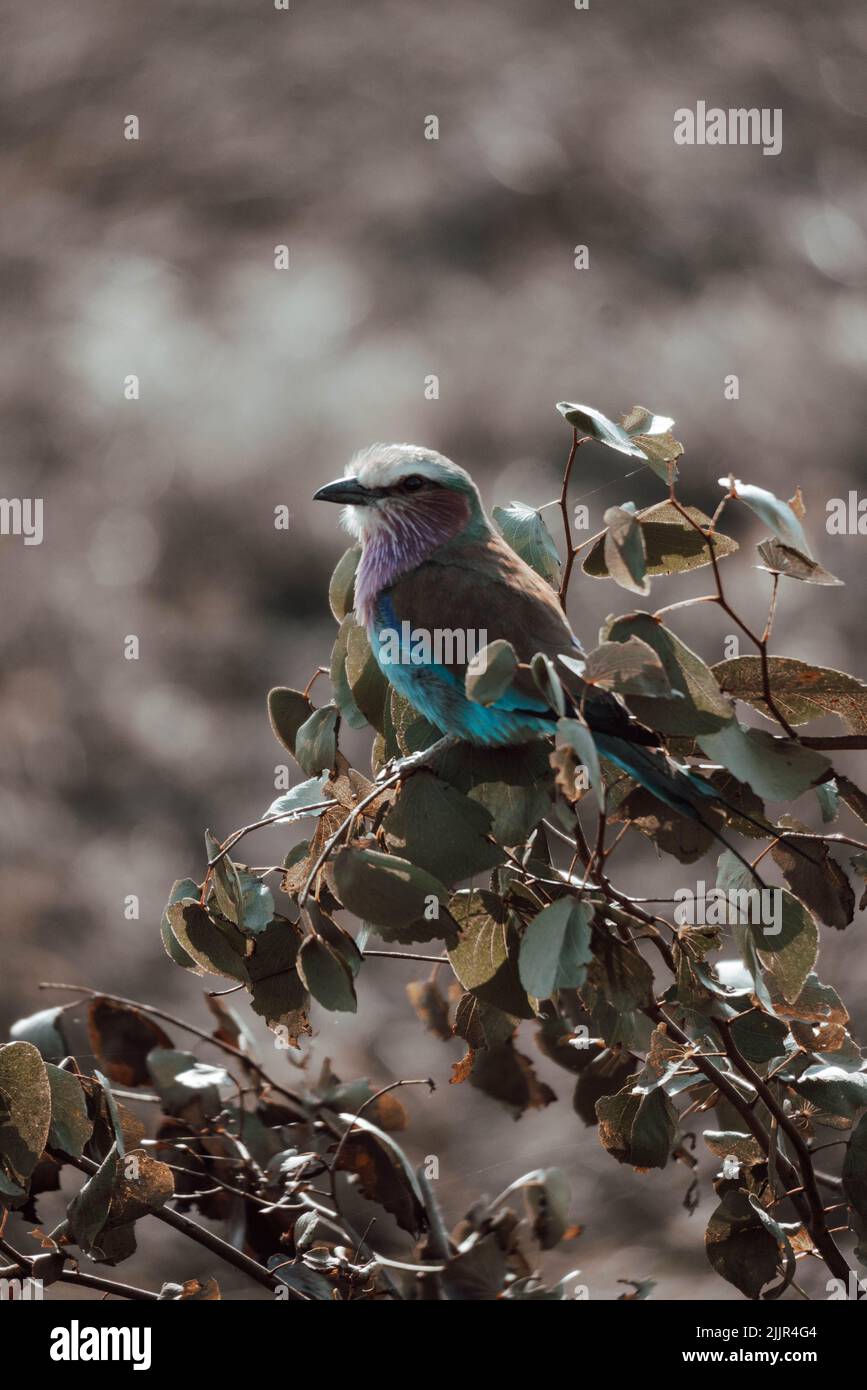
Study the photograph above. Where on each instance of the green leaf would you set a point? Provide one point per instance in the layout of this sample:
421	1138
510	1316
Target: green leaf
514	784
368	685
185	1085
224	878
621	975
739	1246
327	976
855	1168
788	965
297	798
547	1195
792	564
624	551
777	769
438	829
685	839
25	1109
801	691
597	426
778	516
781	1233
139	1195
740	802
671	545
759	1036
316	741
831	1089
788	945
640	434
241	897
574	734
341	590
339	940
548	682
393	894
277	992
287	711
629	668
702	709
555	949
485	959
121	1037
652	433
491	672
728	1143
524	530
343	696
102	1213
87	1213
45	1031
214	950
406	730
858	864
506	1075
384	1176
71	1126
301	1277
257	903
637	1125
828	798
480	1024
183	890
816	879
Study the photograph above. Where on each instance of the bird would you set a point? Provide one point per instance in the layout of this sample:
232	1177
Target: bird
430	559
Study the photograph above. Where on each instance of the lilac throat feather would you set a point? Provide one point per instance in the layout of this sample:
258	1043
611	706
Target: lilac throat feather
402	538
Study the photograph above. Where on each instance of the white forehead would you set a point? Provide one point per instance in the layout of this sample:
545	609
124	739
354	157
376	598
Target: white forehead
384	464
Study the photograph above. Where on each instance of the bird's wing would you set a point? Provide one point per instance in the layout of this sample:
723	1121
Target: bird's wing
485	587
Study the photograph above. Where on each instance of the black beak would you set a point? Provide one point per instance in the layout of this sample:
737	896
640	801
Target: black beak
348	490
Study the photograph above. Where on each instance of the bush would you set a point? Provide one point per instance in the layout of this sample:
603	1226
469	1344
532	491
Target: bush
659	1016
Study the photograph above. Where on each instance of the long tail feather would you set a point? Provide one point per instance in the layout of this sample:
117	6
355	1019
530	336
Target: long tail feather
684	791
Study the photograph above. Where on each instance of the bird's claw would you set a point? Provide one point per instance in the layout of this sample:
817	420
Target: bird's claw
402	767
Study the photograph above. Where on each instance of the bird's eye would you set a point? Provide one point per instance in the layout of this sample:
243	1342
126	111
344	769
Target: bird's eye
413	483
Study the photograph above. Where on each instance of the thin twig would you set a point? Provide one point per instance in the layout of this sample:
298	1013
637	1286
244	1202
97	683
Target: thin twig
202	1236
346	826
211	1038
567	524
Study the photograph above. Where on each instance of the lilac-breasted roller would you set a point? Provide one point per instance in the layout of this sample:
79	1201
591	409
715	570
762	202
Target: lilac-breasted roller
431	561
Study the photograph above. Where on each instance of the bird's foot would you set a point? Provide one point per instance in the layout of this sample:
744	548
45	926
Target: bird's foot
402	767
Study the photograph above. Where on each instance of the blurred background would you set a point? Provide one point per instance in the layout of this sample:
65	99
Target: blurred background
407	258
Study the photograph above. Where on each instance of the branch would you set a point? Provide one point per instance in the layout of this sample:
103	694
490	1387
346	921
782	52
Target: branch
842	742
761	643
346	825
817	1226
332	1172
202	1236
286	816
211	1038
106	1286
567	525
23	1265
809	1205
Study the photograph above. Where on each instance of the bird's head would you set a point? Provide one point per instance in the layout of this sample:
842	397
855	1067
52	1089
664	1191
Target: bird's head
409	498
